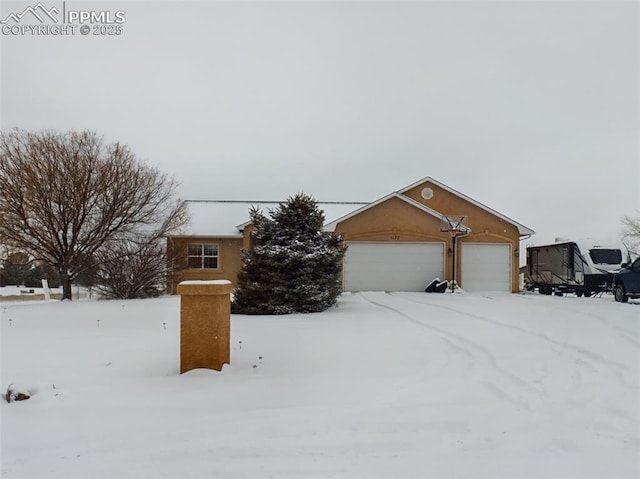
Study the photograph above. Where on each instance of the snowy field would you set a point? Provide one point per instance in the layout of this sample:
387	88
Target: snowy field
402	385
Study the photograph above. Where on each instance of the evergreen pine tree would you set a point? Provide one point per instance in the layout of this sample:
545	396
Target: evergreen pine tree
294	267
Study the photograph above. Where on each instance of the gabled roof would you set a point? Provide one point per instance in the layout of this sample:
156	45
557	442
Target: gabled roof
523	230
228	218
332	226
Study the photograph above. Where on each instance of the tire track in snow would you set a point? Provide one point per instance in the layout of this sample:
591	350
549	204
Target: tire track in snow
594	356
622	332
482	355
627	335
618	370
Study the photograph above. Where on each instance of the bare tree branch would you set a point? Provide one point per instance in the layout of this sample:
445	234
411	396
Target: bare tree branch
66	197
631	233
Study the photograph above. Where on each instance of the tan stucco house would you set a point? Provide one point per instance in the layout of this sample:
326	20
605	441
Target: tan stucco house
396	243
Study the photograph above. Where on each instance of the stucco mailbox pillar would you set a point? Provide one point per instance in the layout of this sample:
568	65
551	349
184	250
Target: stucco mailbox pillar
205	324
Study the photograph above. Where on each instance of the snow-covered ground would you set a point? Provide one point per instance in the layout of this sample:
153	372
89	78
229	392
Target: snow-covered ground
385	385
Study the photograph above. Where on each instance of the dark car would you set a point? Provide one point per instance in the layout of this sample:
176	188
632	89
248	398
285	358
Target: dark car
626	283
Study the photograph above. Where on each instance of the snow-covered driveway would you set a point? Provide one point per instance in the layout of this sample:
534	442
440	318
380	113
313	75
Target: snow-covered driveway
385	385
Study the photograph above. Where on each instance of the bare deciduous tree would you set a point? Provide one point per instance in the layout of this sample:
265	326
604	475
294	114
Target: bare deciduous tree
131	271
631	233
66	198
134	268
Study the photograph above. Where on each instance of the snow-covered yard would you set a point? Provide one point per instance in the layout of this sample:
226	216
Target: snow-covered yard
384	385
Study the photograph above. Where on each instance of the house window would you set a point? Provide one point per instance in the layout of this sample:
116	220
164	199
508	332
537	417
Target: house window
203	256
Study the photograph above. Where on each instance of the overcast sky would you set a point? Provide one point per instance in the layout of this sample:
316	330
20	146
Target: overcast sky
531	108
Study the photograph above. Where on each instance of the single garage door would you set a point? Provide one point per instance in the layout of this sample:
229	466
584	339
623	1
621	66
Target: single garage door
486	267
392	266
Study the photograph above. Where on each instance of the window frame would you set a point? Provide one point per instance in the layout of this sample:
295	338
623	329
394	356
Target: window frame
202	256
606	254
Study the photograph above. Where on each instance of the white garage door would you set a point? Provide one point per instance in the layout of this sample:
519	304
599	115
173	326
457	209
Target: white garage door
486	267
392	266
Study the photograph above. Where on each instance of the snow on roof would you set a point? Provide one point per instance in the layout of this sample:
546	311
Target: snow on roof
227	218
584	244
220	218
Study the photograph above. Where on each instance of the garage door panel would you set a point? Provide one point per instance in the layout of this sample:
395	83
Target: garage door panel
486	267
392	266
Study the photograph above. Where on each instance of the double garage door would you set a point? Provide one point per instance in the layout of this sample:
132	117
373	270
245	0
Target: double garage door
392	266
411	266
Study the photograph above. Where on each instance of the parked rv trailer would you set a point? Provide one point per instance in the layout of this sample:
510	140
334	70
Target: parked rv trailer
563	267
603	258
